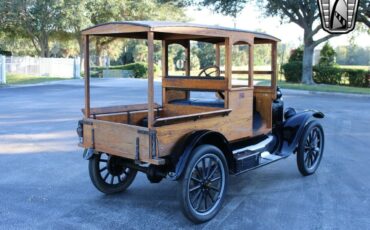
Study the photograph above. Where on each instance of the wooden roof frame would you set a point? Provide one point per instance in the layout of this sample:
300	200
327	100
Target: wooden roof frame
174	32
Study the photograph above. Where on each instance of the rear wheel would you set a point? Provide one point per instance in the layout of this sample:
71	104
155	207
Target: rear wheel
310	148
109	175
203	186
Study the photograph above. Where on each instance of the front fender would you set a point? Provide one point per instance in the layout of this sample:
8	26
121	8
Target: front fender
293	128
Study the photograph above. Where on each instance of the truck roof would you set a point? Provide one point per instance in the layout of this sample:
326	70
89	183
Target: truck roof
164	29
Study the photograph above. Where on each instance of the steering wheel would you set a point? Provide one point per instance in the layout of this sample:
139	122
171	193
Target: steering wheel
208	71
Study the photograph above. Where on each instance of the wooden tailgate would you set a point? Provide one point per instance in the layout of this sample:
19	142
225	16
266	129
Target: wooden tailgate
118	139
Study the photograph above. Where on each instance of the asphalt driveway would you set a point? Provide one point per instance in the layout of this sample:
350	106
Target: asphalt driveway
44	181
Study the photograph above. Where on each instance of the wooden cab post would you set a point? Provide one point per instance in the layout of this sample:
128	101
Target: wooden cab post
87	76
218	58
274	66
150	79
251	65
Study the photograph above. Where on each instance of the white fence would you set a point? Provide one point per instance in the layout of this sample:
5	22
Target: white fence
2	70
50	67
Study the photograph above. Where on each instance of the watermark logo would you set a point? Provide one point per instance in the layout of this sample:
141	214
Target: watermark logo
338	16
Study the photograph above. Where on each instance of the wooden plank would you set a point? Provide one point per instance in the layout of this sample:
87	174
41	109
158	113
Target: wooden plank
235	126
193	117
274	68
228	69
188	83
87	76
164	69
114	29
218	58
251	66
117	139
241	88
119	109
175	94
228	61
150	79
248	71
264	106
132	119
187	56
174	109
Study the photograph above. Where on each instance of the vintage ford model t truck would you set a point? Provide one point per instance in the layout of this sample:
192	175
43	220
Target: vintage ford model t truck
197	142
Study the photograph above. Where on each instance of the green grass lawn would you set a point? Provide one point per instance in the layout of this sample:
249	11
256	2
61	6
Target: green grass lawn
324	88
363	67
15	79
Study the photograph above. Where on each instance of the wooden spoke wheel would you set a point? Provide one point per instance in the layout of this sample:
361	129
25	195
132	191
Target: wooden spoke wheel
203	186
310	148
109	175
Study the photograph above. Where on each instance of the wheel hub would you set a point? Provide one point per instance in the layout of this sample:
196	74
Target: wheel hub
114	166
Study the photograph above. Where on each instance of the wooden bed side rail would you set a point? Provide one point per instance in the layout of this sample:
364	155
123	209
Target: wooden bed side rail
120	109
219	84
181	118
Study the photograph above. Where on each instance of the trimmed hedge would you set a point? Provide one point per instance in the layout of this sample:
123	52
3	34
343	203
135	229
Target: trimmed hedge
359	78
328	75
5	53
341	76
293	71
139	69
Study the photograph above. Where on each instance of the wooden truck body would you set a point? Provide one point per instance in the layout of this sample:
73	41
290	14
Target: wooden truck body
245	121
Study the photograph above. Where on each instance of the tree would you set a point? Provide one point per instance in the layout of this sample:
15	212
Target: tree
364	12
93	12
206	54
327	55
36	20
296	55
303	13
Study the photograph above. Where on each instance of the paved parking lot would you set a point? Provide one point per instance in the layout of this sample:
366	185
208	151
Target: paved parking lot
44	181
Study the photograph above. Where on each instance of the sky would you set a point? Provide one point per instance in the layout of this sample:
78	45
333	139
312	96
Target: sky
251	18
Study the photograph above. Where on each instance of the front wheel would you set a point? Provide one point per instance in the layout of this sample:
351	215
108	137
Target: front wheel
310	148
203	186
109	175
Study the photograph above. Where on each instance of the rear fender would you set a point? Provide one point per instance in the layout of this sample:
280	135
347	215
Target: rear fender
190	142
293	129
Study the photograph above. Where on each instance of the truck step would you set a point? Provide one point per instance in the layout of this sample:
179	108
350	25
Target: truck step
254	156
254	161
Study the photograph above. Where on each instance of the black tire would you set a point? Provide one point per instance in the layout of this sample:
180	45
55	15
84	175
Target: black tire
108	175
206	175
310	148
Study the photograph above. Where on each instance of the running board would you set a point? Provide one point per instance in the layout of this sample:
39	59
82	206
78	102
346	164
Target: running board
254	156
265	159
260	147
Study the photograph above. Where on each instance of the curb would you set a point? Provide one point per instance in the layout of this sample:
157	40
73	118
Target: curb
36	84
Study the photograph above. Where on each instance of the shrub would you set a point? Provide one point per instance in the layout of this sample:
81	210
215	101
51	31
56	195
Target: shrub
296	55
327	55
339	76
327	75
293	71
5	53
139	69
357	77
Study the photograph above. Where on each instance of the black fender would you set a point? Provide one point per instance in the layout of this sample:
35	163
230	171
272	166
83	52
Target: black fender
189	142
293	129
